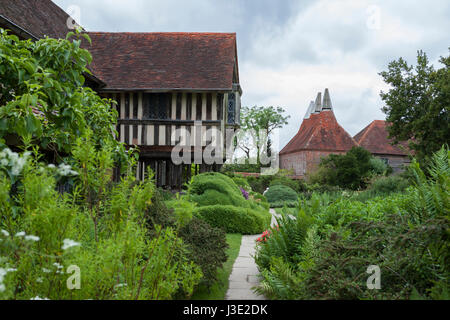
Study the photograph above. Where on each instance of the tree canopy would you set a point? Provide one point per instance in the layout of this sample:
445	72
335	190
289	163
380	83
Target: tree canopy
418	103
257	119
42	97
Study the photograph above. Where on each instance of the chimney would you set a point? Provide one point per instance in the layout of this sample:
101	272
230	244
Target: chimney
327	101
310	110
318	104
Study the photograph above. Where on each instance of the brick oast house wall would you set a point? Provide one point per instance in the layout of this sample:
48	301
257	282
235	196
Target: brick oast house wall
319	136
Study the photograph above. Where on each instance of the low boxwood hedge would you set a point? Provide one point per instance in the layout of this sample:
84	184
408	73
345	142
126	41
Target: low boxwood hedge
215	188
235	219
281	194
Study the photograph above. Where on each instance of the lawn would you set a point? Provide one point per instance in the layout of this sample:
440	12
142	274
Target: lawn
219	290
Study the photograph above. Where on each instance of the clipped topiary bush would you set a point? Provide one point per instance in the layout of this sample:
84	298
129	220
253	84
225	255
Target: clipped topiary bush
215	188
235	219
280	194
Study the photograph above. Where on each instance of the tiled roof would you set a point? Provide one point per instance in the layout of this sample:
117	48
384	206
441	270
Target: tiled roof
37	17
156	61
374	138
320	132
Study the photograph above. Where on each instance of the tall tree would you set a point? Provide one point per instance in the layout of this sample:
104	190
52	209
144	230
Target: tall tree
418	103
265	119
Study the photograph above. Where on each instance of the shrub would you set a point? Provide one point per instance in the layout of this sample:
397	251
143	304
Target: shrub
232	168
296	185
406	235
386	185
215	188
242	183
260	184
280	193
235	219
207	246
100	228
260	200
349	171
378	166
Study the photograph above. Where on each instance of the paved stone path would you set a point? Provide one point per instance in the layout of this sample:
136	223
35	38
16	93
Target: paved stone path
244	275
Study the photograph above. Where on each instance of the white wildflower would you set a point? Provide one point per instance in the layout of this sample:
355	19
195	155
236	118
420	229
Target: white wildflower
3	273
21	234
32	238
51	166
120	285
69	244
5	233
57	265
4	162
39	280
45	270
39	298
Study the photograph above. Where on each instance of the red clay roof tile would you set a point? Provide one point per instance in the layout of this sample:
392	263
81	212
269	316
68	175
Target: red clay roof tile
38	17
321	132
374	138
155	61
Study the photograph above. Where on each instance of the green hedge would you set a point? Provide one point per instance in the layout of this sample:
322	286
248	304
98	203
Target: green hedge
279	194
235	219
216	188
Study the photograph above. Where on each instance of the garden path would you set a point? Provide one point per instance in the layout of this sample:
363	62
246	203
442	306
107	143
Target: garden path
244	275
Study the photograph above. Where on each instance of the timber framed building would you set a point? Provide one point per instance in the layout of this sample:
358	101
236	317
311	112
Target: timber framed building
171	88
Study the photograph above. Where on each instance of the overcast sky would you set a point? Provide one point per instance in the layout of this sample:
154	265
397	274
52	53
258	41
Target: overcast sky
289	50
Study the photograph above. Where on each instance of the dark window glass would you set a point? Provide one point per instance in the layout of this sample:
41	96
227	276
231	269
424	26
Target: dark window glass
209	106
156	106
135	105
189	106
179	99
127	106
199	106
219	106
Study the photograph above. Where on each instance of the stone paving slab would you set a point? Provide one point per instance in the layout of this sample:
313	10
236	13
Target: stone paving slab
244	275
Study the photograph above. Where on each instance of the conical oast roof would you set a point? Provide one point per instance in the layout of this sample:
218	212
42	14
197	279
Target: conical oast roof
321	132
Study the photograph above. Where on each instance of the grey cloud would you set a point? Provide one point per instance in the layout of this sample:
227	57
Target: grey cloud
275	37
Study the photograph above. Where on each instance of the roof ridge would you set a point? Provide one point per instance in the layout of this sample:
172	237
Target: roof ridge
161	32
366	130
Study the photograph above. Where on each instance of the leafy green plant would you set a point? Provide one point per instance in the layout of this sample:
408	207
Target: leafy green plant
405	234
242	182
43	99
281	194
235	219
349	171
207	246
99	228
